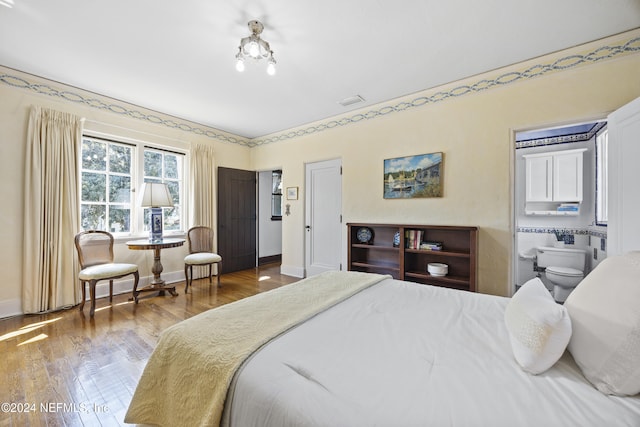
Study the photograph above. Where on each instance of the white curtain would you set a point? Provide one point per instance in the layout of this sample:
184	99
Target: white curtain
203	193
49	271
203	187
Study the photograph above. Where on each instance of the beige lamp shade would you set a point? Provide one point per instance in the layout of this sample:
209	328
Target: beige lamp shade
156	195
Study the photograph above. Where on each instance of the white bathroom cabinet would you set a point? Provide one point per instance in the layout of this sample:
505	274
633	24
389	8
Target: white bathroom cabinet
554	177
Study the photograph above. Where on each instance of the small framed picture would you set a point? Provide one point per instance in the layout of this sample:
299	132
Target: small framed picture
292	193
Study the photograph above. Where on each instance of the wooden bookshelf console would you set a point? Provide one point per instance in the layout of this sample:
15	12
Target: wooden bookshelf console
408	262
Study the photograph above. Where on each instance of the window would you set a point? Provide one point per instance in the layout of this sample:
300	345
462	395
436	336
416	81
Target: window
110	173
602	148
276	195
167	167
106	177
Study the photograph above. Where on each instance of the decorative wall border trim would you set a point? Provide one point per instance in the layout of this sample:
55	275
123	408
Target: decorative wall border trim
120	109
537	70
552	230
564	139
598	233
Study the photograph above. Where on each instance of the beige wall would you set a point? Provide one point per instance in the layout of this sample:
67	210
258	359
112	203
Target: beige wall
474	131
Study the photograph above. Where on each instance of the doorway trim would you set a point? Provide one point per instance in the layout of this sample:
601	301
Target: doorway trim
515	252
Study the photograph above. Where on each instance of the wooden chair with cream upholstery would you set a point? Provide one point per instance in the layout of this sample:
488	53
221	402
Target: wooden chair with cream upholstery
95	253
200	239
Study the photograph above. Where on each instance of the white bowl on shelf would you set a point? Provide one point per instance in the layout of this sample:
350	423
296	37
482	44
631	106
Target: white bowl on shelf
437	269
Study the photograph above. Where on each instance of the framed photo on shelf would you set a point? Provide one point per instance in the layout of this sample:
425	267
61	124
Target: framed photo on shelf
292	193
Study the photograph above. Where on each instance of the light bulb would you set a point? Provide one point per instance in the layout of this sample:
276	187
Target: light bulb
240	65
271	68
254	49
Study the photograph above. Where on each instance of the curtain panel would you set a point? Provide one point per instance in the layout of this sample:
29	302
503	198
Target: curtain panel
51	207
203	187
203	194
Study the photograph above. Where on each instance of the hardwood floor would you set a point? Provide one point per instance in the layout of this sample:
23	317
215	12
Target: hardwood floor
66	369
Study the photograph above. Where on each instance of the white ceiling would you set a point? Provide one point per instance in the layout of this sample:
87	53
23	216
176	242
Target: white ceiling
177	57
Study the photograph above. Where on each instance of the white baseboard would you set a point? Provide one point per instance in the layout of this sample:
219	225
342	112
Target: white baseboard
288	270
10	308
13	307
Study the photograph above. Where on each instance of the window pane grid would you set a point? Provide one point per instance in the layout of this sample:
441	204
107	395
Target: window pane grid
161	166
108	181
276	195
106	186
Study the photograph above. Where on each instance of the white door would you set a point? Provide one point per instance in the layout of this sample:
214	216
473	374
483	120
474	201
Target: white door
323	219
623	228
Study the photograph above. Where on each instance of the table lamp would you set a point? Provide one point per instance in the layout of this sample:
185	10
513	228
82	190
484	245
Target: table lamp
156	196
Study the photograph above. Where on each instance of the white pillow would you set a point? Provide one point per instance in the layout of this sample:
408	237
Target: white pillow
539	328
605	313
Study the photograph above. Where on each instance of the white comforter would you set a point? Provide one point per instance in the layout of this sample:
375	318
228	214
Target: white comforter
402	354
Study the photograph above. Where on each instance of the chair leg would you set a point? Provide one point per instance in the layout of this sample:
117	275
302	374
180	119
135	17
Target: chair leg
186	278
110	291
210	272
84	294
136	278
219	272
92	293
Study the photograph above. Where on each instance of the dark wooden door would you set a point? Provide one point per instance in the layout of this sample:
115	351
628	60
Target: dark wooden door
236	219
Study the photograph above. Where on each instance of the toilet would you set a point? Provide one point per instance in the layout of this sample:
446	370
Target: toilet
564	269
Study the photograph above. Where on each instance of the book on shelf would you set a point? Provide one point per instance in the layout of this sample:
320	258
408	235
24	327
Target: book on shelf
431	246
413	238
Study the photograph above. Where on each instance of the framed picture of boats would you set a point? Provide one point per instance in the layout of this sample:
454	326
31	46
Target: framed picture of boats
413	176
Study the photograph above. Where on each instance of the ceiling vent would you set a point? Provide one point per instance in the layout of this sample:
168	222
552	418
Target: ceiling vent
351	100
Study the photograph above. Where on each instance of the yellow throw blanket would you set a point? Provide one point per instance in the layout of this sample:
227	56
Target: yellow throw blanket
186	379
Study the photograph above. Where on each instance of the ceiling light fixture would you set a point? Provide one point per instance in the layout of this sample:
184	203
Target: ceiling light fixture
253	47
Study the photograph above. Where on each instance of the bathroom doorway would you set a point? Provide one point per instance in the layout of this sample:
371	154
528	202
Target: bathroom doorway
562	160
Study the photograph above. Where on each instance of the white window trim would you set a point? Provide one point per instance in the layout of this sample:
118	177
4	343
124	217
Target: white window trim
601	208
138	180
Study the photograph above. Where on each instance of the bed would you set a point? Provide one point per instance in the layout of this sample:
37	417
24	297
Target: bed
358	349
